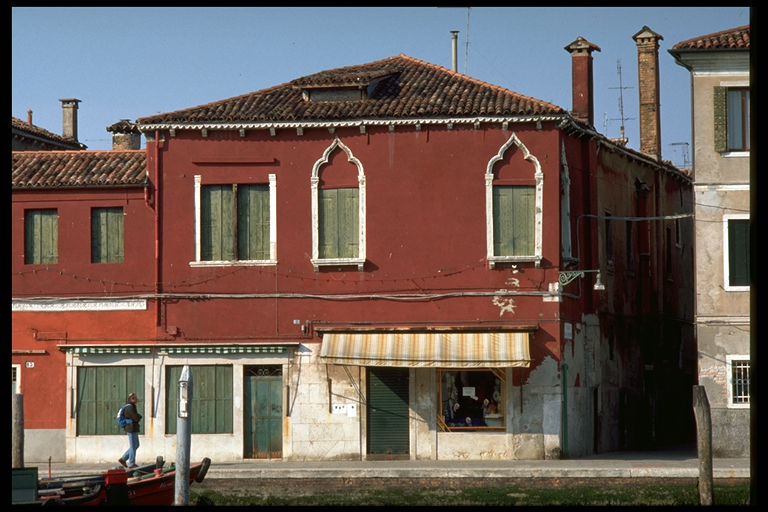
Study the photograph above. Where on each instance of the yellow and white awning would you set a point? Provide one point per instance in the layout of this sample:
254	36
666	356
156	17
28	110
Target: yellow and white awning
434	349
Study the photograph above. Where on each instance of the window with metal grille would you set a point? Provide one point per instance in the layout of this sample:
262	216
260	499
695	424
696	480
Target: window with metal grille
211	403
739	381
41	237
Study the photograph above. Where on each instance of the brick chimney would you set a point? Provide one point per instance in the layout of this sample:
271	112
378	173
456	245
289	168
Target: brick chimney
647	42
125	135
69	111
581	80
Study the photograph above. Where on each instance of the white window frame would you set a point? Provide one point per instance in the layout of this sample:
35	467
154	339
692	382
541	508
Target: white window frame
315	192
17	382
729	360
236	263
726	252
539	207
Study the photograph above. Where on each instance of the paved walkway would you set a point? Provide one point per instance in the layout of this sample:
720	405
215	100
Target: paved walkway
610	465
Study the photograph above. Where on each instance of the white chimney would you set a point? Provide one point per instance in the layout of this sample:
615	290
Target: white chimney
455	50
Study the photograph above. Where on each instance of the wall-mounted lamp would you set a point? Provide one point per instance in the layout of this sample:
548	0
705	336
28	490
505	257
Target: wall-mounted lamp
570	275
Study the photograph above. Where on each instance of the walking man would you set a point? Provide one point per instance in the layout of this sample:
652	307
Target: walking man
128	459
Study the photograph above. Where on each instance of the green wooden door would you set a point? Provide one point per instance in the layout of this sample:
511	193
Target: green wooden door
388	413
263	414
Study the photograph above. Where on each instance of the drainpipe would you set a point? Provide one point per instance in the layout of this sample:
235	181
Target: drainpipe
564	451
157	226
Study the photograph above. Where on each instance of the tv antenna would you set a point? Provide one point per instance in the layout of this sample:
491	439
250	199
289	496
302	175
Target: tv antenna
684	149
621	88
466	46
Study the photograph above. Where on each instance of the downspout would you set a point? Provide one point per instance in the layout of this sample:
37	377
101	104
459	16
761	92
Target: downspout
564	452
157	227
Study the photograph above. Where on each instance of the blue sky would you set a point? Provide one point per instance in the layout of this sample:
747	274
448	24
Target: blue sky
126	63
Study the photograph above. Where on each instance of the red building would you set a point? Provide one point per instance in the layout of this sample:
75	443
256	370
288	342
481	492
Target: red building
395	260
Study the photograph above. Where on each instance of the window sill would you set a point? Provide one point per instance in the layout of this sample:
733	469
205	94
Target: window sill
494	260
243	263
735	154
339	262
736	288
738	406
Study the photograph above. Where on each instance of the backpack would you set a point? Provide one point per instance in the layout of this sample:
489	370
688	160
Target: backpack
122	421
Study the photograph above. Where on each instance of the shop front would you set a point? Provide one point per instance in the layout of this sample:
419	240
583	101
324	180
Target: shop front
434	395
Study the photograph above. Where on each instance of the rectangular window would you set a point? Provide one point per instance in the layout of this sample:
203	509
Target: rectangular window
211	404
608	239
101	391
16	379
738	383
738	119
107	235
471	400
630	245
338	223
41	237
513	221
737	253
668	252
235	222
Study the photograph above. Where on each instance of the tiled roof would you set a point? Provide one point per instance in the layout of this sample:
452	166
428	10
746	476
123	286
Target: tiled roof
60	169
18	124
401	87
731	39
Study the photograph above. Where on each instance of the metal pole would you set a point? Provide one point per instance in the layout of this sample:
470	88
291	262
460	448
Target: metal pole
703	444
18	431
183	437
454	50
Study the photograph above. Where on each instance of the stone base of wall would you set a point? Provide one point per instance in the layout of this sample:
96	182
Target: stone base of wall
39	444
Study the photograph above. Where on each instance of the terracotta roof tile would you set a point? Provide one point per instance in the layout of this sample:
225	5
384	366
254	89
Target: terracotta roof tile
401	87
18	124
731	39
67	169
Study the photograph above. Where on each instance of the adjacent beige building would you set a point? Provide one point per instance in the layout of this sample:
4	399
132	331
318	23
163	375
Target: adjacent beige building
720	88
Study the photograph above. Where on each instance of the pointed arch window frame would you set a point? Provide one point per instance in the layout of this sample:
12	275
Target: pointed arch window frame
316	260
538	208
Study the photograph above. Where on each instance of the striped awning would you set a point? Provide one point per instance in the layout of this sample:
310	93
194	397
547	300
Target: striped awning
444	349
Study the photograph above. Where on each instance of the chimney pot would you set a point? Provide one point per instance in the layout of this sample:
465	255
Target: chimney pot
581	80
647	42
29	117
69	113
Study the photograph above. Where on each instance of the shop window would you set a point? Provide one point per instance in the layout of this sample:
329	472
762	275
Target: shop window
471	400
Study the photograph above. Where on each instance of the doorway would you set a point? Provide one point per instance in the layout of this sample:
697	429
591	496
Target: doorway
263	412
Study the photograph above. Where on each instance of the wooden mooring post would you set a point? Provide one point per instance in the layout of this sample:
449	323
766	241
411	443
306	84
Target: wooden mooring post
703	444
17	435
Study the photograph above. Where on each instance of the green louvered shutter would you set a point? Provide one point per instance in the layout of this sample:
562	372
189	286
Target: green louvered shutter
349	233
41	237
217	242
388	411
738	252
328	224
513	221
720	119
253	222
107	235
101	391
211	399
